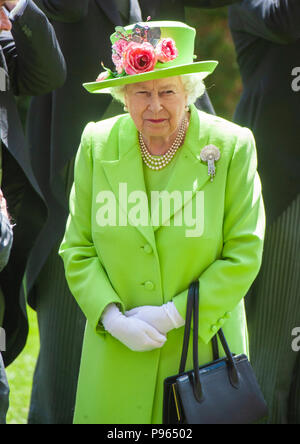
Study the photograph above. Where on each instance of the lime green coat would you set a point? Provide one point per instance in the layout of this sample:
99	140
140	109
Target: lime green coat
145	265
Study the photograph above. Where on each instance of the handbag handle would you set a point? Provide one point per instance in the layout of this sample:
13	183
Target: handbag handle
193	308
187	331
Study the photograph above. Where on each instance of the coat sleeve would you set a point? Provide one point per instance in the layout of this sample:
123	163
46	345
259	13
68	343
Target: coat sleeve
276	21
66	11
34	59
226	281
86	277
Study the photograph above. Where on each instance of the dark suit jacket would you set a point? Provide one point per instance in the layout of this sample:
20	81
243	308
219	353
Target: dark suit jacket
33	64
174	9
267	40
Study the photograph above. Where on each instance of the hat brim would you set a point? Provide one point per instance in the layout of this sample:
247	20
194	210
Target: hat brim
204	69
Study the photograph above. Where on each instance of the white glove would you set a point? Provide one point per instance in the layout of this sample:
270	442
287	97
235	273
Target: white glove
134	333
164	318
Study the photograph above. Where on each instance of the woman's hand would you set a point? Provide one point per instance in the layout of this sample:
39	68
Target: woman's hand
163	318
134	333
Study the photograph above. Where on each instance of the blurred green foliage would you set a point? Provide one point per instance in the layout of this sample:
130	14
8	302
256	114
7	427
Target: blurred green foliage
20	375
214	42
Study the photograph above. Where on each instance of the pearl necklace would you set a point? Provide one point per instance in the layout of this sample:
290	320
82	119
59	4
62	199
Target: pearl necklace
158	163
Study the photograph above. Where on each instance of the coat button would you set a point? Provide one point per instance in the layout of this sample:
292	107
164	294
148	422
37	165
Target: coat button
221	321
227	315
149	285
148	249
214	329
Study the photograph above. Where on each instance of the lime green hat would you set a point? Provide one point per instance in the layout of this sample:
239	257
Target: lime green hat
150	51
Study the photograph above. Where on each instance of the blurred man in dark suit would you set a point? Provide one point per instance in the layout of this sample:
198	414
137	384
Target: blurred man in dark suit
30	63
266	34
83	28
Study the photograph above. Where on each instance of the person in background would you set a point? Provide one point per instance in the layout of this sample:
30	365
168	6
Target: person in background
30	63
266	35
83	28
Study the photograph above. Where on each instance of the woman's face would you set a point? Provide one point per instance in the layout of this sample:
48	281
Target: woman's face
157	107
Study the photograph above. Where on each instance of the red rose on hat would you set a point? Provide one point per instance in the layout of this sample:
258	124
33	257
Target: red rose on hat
139	58
166	50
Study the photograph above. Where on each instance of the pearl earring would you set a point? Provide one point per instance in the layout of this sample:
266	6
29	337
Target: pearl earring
125	109
187	108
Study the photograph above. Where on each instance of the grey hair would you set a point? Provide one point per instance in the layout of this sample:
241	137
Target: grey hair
193	86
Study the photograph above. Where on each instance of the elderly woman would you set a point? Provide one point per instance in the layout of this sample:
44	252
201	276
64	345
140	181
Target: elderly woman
162	196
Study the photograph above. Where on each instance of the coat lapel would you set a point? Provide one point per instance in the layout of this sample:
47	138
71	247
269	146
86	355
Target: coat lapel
128	170
110	9
189	173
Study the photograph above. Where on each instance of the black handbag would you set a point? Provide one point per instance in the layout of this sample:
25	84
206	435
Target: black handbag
222	392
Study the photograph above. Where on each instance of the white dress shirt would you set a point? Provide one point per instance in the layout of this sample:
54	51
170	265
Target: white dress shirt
18	9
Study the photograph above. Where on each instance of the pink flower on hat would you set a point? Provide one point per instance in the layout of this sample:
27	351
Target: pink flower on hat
166	50
119	47
139	58
118	61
